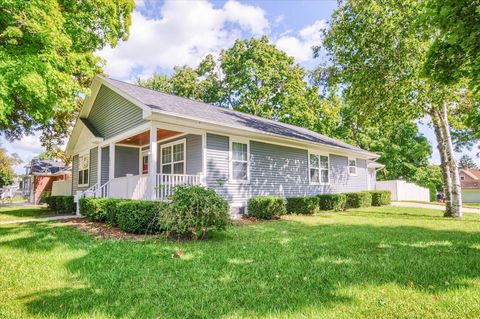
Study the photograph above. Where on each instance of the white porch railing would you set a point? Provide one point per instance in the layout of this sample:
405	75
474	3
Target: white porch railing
137	186
165	183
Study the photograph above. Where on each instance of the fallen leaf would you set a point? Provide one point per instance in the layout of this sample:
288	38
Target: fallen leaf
179	253
410	284
434	298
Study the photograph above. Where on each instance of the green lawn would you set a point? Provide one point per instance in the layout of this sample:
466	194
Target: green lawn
390	262
466	205
25	212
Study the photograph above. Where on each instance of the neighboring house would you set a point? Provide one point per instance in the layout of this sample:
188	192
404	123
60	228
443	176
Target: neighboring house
470	182
41	175
124	131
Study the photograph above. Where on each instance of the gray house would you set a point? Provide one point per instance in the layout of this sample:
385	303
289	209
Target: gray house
132	142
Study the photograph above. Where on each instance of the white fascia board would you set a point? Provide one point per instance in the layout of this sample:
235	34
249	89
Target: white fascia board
171	121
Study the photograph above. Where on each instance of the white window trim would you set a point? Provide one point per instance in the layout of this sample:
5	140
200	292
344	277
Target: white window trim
230	159
84	153
356	166
142	154
320	169
171	144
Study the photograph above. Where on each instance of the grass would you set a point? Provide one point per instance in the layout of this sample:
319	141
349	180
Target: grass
23	212
466	205
389	262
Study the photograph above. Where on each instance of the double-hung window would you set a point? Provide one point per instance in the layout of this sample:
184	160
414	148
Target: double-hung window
352	166
319	169
239	160
83	168
173	157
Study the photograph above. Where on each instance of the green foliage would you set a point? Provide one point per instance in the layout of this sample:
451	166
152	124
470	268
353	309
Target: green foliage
110	209
335	202
193	211
380	198
92	208
60	204
426	176
139	217
453	54
6	163
467	162
47	59
306	205
266	207
433	192
357	200
254	77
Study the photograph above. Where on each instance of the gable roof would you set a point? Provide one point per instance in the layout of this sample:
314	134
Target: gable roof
473	173
160	102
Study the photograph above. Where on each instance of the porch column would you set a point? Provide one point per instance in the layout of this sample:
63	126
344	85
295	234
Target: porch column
152	163
111	159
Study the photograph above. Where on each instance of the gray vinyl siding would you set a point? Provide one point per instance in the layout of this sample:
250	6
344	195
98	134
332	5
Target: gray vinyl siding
111	114
126	160
105	165
92	171
277	170
193	153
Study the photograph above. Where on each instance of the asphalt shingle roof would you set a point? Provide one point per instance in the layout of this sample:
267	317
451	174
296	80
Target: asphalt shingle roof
168	103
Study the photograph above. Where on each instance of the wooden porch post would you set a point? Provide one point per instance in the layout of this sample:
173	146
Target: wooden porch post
99	166
152	163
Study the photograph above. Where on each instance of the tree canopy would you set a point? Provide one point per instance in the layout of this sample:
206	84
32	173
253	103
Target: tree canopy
6	167
47	60
377	53
467	162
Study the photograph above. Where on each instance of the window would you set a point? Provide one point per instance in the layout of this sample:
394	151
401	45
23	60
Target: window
83	166
239	161
319	169
352	166
173	158
462	178
145	162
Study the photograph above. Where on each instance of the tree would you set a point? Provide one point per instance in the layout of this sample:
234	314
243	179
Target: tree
467	162
454	53
47	60
6	167
55	153
377	52
254	77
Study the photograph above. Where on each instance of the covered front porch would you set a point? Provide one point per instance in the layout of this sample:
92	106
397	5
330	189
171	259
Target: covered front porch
146	165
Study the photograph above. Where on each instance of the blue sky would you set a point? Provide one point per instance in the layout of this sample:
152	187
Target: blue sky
168	33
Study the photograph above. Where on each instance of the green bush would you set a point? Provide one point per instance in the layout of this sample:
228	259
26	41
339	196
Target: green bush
433	192
335	202
266	207
63	204
193	211
360	199
139	216
306	205
110	209
380	198
92	208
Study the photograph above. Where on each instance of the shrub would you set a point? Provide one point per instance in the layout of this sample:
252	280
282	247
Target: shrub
138	216
306	205
62	204
92	208
110	209
192	211
335	202
380	198
360	199
433	192
266	207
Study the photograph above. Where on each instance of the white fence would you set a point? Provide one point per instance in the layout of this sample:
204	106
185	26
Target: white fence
62	188
402	190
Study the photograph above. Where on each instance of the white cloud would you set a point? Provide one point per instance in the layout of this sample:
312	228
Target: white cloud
184	33
300	45
280	18
27	148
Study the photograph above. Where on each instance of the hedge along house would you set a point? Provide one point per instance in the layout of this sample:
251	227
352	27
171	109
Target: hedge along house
136	143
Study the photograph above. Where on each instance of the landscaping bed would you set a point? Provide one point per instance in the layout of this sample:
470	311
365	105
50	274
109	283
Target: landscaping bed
372	262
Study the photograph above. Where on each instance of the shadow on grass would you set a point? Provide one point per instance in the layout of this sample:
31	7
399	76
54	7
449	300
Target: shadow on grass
259	269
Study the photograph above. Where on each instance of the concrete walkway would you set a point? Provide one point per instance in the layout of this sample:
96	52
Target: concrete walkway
46	219
432	206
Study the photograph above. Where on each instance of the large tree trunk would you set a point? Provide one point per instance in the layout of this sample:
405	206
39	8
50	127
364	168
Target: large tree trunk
447	181
445	146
